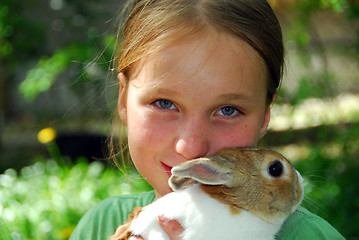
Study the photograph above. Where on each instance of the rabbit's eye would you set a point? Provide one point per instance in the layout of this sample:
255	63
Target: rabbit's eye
275	169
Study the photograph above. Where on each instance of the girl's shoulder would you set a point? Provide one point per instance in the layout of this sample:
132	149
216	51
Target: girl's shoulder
304	225
101	221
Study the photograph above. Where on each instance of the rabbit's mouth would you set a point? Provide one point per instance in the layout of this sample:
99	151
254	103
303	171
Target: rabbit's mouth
167	169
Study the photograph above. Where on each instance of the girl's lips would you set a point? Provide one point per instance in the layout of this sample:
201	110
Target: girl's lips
167	169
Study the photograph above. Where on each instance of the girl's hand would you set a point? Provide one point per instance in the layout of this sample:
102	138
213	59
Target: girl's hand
171	227
135	238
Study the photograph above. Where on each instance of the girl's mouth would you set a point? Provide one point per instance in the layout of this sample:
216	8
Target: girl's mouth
167	169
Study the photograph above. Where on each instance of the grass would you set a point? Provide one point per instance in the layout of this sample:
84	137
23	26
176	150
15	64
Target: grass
46	200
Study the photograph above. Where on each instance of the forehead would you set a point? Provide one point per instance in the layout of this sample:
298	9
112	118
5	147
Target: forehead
228	55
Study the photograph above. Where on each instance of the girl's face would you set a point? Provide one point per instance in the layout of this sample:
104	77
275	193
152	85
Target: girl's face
192	99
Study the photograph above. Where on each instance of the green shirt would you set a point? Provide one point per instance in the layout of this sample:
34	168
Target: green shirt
102	220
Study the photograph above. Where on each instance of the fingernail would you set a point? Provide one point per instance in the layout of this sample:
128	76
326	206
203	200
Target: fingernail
162	218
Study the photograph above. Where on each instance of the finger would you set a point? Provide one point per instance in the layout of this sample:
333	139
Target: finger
135	238
171	227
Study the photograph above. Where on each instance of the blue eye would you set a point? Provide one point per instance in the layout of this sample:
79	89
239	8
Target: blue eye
228	111
165	104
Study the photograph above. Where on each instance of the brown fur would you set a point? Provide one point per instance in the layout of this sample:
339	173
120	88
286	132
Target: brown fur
180	182
123	232
252	191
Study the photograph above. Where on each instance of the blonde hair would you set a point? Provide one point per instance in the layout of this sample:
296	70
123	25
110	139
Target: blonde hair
152	24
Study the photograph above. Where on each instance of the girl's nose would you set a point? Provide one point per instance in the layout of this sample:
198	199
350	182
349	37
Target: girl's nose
193	140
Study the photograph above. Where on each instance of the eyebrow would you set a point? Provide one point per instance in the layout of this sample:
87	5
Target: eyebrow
155	90
235	96
224	97
164	91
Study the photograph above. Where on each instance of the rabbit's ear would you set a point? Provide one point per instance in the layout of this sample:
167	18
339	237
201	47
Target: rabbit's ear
212	171
177	183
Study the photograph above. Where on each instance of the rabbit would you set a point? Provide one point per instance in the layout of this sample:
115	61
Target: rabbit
239	193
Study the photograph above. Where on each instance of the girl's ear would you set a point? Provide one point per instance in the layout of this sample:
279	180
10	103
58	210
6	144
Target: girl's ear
122	98
266	119
265	123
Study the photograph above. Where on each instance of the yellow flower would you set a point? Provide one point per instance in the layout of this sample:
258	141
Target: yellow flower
46	135
66	232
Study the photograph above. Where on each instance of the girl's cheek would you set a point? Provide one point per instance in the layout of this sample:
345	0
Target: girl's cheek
156	126
237	135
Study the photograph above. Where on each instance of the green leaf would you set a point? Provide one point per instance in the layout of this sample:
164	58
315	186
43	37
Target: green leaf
43	76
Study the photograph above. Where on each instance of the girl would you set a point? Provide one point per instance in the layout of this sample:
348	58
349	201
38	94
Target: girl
195	76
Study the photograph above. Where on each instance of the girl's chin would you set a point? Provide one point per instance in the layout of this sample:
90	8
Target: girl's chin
162	193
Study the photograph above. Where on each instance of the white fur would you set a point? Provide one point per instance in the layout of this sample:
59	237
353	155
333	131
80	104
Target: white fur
202	217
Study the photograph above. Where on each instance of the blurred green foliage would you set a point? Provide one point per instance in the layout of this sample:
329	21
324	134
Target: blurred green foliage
304	8
316	85
43	76
46	200
327	157
5	32
330	167
320	83
18	35
23	38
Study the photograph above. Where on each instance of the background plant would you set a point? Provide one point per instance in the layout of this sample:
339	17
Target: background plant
46	200
55	71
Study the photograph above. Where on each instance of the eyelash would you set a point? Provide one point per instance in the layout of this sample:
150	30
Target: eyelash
158	102
234	111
